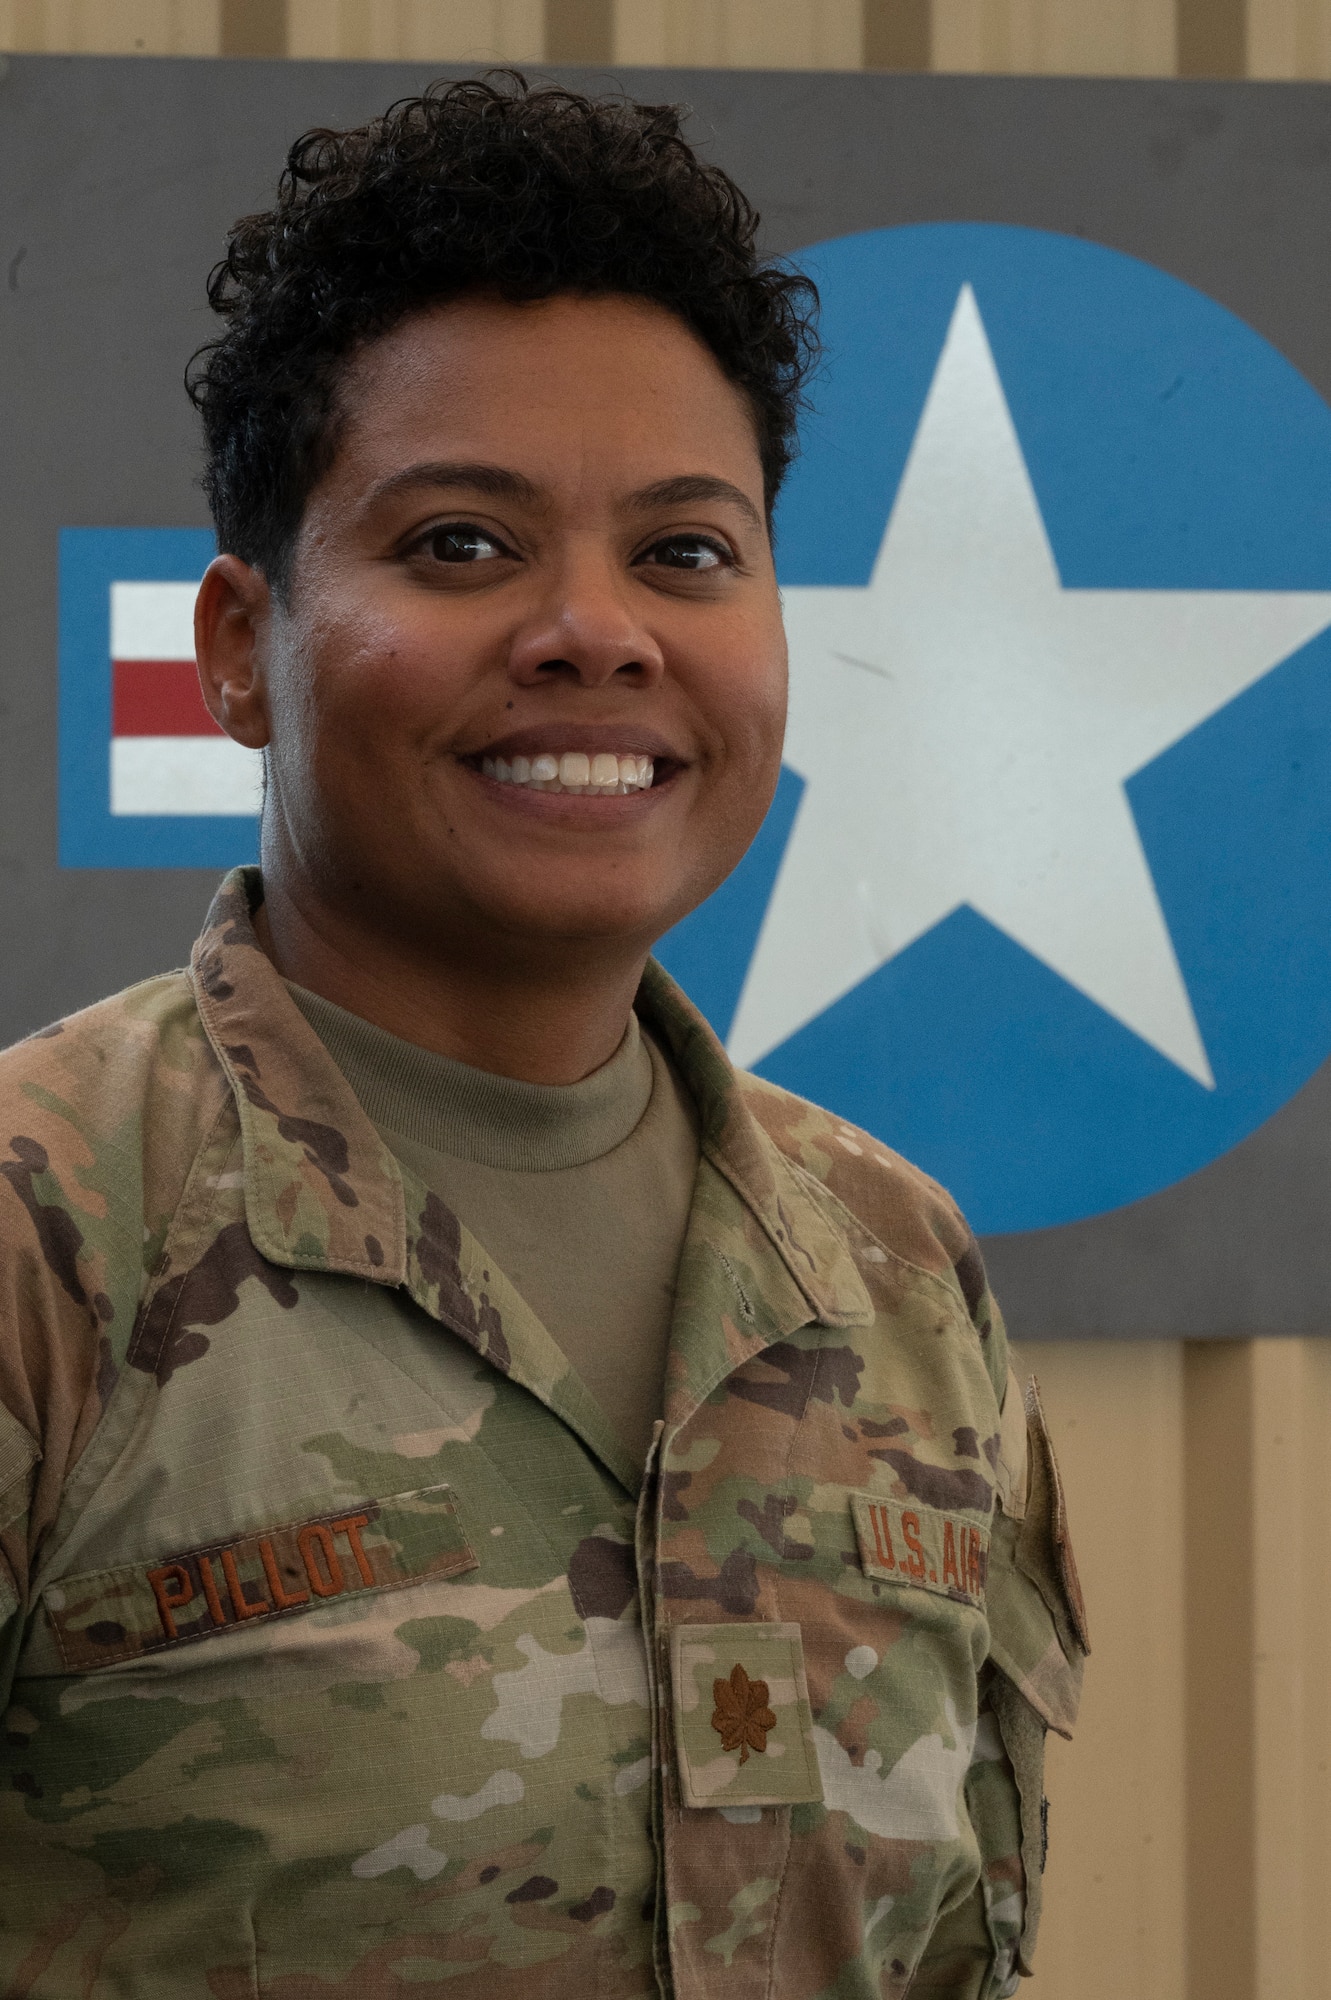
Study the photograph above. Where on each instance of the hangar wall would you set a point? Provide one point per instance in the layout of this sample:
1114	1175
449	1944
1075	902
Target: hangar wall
1259	38
1191	1826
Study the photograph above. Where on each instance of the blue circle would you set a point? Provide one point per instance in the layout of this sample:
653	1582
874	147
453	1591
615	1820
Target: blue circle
1170	447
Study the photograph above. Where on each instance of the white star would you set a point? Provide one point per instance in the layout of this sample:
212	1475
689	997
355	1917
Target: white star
965	726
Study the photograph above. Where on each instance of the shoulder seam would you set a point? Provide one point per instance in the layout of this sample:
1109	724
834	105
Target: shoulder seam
947	1281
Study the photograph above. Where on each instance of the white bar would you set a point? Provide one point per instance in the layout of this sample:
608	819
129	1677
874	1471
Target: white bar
197	775
152	621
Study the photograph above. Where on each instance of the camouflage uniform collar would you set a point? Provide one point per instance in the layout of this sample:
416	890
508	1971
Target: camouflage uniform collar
795	1215
322	1191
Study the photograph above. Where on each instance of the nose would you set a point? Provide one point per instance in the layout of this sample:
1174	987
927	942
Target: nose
586	629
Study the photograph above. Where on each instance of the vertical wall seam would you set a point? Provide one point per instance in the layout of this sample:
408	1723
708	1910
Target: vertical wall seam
579	31
1211	37
1220	1669
253	28
897	34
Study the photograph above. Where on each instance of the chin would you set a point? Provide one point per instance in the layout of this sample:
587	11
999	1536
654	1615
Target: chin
634	925
627	903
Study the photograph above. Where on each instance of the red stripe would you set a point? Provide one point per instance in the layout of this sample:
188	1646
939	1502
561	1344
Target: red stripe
158	698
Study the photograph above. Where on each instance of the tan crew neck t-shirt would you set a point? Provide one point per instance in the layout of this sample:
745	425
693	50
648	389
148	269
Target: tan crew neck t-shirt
580	1192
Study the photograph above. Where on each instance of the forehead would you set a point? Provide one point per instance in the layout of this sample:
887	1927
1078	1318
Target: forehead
602	377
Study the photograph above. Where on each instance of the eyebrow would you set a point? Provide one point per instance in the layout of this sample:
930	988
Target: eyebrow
689	486
500	482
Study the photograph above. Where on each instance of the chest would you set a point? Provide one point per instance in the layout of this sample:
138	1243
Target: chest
346	1621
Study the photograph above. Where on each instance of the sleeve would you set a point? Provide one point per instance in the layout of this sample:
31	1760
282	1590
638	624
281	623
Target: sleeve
958	1962
1037	1650
984	1313
19	1458
56	1306
973	1952
1031	1683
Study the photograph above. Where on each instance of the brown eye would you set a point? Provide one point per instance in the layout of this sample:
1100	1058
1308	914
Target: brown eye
695	552
460	543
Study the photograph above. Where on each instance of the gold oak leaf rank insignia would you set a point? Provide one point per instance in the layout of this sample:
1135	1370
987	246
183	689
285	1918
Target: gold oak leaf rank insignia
741	1717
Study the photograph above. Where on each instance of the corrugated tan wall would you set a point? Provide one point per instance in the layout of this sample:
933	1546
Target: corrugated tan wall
1270	38
1191	1821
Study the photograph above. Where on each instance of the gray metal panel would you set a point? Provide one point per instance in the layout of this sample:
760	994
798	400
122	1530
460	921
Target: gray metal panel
1242	1247
119	178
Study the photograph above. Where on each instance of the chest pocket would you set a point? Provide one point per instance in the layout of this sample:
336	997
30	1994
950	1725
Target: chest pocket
376	1544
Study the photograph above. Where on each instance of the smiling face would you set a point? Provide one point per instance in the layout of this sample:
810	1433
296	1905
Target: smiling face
529	682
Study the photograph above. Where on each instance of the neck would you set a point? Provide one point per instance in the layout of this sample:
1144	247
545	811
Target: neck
548	1016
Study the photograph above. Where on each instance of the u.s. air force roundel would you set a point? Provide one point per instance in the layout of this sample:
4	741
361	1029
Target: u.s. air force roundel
1044	899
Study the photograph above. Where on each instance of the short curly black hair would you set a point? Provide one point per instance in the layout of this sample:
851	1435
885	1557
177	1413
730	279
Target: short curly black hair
486	185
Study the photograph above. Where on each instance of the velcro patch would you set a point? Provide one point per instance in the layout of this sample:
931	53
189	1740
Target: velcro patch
118	1614
743	1725
903	1541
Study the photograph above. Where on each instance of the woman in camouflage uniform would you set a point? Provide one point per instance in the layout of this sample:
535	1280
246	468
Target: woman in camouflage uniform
493	1501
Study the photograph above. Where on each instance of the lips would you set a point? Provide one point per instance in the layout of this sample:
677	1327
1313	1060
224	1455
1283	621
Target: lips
554	739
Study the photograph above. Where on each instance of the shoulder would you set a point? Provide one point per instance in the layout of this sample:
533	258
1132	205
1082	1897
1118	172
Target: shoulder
903	1208
101	1117
109	1070
909	1213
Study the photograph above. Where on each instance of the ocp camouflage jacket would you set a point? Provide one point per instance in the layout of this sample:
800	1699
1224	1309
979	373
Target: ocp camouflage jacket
347	1653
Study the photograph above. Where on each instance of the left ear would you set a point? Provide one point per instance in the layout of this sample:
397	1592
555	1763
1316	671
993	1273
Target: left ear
231	614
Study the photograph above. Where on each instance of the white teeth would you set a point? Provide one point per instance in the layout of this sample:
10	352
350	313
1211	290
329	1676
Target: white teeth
604	775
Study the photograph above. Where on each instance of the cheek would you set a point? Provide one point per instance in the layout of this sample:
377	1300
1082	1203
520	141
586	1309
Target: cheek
745	699
366	690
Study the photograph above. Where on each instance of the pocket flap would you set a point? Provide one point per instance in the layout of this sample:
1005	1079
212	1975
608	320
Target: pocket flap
1047	1679
118	1614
